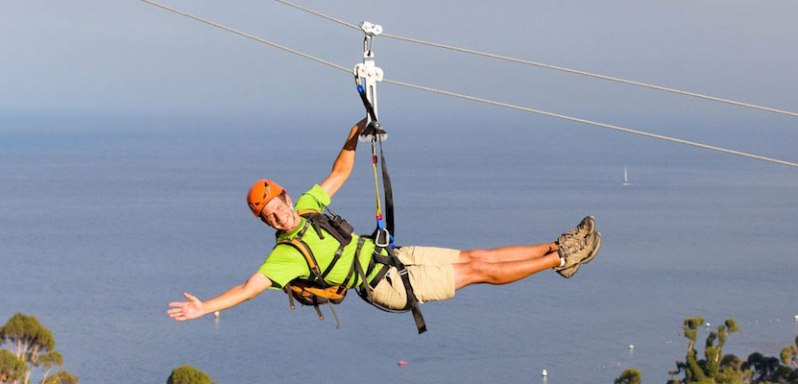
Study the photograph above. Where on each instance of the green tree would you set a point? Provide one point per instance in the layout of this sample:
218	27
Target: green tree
789	354
12	369
714	367
630	376
28	336
717	368
33	344
187	374
62	377
48	361
769	370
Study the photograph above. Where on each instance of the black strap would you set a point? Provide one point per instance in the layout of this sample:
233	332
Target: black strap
365	289
380	275
355	261
366	102
303	230
412	302
337	256
386	179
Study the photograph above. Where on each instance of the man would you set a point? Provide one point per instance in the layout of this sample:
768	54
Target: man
434	273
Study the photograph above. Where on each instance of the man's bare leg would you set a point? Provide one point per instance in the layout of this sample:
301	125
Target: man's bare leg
505	254
480	271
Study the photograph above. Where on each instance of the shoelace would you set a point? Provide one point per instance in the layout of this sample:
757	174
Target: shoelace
572	244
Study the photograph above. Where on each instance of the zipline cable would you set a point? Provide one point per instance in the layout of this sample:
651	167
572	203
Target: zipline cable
590	122
247	35
478	99
547	66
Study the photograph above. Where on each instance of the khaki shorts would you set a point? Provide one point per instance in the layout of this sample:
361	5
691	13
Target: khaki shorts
431	275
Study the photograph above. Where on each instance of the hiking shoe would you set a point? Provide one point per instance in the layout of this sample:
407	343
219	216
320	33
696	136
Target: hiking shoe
584	228
577	252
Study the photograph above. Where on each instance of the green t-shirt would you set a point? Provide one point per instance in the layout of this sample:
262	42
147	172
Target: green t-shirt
286	263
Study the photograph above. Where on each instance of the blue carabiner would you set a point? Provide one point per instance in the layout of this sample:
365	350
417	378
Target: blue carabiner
383	238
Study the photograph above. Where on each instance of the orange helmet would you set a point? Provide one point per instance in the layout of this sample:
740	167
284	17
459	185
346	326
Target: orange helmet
261	193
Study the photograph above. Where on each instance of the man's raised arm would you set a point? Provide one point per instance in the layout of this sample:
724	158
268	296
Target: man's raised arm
342	167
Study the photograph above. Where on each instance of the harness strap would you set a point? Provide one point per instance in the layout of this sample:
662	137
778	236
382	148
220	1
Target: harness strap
364	287
315	219
366	103
386	178
355	261
304	229
335	315
287	290
372	266
393	261
412	302
305	250
337	256
313	266
380	275
382	259
318	310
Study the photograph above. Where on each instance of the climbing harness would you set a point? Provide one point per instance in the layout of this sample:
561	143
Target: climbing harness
367	74
315	290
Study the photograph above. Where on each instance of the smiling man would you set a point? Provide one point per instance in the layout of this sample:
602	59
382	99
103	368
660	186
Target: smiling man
354	261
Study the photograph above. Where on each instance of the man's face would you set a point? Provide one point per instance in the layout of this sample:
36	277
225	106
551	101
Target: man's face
280	215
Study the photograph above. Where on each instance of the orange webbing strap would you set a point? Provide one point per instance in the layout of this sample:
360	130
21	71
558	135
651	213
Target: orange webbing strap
304	249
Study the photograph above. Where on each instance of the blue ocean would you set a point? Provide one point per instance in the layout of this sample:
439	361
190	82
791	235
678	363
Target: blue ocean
106	219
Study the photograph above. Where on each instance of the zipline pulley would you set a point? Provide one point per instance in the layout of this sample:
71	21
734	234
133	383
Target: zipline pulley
367	74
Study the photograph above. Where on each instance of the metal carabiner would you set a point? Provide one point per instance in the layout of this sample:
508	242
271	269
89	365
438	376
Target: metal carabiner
382	238
367	44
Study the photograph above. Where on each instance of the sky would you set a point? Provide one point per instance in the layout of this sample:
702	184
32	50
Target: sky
129	58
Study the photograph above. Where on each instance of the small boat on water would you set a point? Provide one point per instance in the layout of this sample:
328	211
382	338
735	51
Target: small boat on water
625	176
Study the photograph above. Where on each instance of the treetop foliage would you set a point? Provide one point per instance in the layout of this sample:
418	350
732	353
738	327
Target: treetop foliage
11	368
187	374
30	345
717	368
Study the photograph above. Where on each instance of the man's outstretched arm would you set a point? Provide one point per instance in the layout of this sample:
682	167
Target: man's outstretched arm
195	308
342	167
